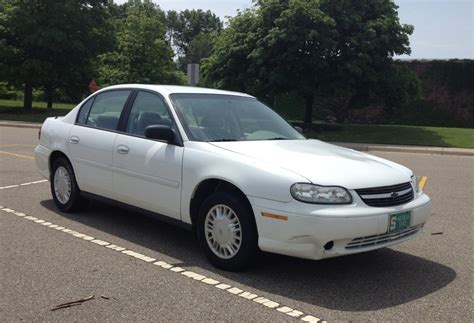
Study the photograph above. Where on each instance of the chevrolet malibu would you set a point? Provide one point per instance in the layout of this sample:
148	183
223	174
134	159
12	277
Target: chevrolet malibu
225	165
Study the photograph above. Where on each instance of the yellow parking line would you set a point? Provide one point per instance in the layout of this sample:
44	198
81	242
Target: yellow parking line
16	155
423	182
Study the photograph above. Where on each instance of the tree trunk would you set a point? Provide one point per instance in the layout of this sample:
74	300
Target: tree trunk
308	112
49	96
28	96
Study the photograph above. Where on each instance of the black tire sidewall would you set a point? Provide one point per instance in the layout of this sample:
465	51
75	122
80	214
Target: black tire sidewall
249	244
74	200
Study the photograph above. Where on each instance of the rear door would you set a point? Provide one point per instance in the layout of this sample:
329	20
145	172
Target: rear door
147	173
91	141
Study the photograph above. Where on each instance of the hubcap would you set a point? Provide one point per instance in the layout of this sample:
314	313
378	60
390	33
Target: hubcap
62	185
223	231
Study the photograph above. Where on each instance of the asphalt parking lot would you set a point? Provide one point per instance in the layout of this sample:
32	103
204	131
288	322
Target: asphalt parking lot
160	274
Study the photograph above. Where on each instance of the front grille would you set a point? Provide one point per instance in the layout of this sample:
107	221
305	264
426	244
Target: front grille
378	239
387	195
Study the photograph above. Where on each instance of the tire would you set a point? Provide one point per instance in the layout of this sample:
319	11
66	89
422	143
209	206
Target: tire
68	197
238	254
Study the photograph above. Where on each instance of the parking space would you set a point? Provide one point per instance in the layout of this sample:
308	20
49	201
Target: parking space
425	279
16	156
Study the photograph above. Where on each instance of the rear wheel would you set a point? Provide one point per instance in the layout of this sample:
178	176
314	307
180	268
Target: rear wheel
227	232
66	193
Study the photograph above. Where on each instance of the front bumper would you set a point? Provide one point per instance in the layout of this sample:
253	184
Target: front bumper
351	228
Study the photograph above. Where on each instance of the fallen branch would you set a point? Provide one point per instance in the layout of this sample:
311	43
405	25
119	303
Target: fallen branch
74	303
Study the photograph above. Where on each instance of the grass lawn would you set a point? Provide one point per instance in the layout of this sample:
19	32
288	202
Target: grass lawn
401	135
371	134
36	104
12	110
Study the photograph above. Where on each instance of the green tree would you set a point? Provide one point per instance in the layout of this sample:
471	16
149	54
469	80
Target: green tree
142	54
230	66
200	47
172	26
190	32
308	46
50	44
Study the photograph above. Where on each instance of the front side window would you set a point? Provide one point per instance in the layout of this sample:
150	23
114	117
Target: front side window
148	110
214	117
106	109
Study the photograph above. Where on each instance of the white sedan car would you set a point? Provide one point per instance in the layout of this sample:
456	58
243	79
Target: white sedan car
227	166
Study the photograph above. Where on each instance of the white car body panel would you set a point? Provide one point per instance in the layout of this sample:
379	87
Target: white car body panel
322	163
205	161
150	169
163	178
92	158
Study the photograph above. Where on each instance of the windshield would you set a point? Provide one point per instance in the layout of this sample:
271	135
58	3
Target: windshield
216	117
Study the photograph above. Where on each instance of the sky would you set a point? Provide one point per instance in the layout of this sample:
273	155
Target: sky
444	29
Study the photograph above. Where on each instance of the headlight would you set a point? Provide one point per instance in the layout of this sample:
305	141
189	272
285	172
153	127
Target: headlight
414	181
310	193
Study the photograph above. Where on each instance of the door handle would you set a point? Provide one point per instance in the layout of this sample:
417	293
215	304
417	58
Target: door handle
74	140
122	149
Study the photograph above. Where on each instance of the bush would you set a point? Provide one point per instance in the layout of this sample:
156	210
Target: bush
9	93
447	100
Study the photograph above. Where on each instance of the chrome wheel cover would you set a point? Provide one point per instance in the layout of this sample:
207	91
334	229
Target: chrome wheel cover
62	185
223	231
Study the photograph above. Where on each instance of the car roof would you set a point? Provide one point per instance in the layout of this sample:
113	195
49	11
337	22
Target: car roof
171	89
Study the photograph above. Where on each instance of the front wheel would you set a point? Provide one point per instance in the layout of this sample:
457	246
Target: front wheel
64	188
227	232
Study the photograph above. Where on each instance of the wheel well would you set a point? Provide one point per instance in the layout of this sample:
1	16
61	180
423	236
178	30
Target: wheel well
55	156
206	188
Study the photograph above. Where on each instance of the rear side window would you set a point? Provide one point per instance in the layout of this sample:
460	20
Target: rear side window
82	117
106	110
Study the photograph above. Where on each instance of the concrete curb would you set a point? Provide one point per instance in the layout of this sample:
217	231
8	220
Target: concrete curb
407	149
355	146
20	125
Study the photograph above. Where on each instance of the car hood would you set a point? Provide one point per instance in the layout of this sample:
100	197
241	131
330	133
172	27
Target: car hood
323	163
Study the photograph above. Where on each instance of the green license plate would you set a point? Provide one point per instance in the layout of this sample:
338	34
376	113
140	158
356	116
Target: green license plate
399	221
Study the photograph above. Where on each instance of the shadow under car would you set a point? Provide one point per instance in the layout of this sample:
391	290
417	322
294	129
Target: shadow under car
361	282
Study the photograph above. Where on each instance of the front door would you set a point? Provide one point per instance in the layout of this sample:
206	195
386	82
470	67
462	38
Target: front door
147	173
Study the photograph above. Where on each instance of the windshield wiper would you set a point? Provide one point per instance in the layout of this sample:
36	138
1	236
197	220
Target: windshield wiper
223	139
278	138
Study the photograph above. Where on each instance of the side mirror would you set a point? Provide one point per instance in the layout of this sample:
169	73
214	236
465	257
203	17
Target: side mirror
161	132
299	129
